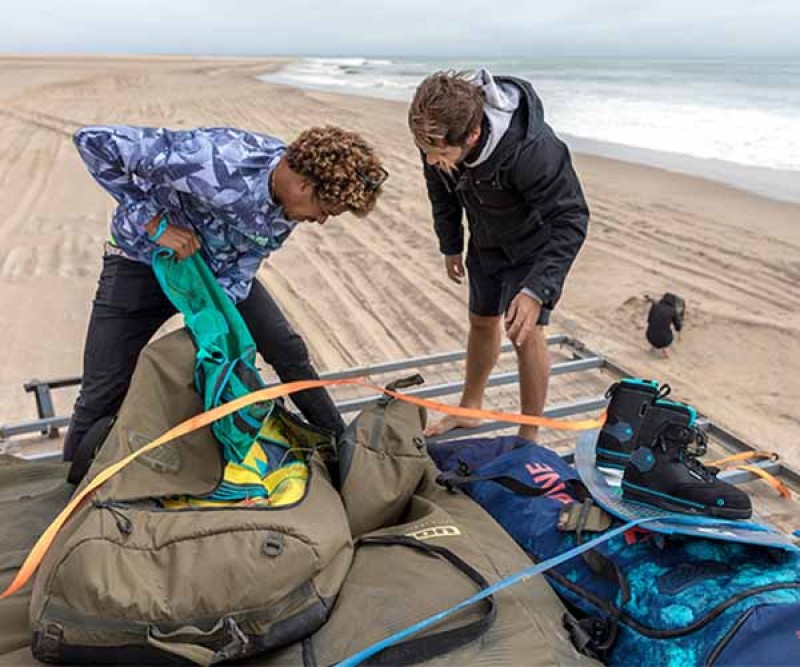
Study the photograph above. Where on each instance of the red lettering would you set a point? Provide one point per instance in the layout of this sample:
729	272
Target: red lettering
544	476
536	468
546	481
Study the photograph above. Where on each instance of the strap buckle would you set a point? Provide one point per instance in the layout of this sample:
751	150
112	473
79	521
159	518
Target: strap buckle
48	646
238	645
593	636
583	516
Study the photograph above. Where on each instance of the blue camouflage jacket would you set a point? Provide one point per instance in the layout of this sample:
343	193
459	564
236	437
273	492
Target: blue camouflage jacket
212	180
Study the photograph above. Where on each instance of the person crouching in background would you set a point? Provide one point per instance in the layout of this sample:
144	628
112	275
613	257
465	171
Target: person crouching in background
664	314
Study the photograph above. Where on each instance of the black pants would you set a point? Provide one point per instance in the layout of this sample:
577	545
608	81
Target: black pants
128	309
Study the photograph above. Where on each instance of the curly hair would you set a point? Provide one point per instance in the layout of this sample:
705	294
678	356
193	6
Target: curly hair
446	108
342	167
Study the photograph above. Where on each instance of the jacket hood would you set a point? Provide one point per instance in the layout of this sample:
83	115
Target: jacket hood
506	97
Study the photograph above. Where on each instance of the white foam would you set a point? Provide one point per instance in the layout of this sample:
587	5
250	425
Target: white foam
747	136
733	113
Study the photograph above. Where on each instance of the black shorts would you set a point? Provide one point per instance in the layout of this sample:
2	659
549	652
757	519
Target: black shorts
491	290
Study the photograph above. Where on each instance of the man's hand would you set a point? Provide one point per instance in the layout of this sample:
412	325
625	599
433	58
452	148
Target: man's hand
521	319
455	268
182	241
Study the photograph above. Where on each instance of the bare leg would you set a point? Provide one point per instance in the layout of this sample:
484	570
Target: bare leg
483	348
533	359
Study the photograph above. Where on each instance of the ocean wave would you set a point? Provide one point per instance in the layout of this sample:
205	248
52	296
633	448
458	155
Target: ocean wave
736	112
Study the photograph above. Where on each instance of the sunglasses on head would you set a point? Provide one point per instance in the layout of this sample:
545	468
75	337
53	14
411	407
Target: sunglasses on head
372	184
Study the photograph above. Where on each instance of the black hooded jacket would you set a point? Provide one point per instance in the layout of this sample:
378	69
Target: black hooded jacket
524	204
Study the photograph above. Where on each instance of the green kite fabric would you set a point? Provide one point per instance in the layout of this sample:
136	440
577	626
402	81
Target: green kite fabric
225	362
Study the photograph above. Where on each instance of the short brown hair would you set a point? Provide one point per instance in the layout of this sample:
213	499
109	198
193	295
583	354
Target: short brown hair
342	167
446	108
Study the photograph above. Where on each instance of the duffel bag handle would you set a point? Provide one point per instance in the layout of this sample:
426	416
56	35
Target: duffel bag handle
200	655
453	480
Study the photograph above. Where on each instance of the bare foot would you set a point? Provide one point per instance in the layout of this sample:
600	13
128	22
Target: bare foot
664	353
529	432
448	423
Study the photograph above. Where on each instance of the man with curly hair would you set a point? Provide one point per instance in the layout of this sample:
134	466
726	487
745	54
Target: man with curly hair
487	152
234	197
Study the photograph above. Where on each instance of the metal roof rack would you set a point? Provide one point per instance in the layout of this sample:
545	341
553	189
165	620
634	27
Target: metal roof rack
579	379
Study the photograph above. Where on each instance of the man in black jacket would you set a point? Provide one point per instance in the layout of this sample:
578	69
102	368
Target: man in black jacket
488	152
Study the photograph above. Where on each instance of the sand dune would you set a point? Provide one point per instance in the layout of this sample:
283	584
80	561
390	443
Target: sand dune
369	290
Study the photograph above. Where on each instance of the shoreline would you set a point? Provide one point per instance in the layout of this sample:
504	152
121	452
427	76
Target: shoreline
776	184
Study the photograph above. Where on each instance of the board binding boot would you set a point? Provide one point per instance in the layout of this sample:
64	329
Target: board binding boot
630	398
664	470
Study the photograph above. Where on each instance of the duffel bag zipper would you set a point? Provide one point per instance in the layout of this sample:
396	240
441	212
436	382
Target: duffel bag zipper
125	523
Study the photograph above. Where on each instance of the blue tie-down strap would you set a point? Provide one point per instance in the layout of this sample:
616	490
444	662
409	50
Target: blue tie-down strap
509	581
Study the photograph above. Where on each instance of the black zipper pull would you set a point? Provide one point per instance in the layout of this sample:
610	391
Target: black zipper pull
403	383
124	524
406	382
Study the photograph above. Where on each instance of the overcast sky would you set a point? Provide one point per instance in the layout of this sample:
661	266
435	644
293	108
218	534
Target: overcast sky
658	28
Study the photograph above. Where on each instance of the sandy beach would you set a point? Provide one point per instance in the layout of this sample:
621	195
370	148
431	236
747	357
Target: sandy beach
364	291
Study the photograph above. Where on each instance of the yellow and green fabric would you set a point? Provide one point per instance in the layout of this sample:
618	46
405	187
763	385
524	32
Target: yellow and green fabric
261	466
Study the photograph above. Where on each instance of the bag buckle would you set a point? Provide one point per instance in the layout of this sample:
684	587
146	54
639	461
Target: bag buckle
273	544
593	636
578	517
49	643
237	647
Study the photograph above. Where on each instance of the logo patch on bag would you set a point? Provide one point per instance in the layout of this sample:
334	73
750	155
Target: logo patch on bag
166	459
435	531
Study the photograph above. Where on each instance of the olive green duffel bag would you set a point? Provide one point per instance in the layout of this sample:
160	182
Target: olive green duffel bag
31	495
130	581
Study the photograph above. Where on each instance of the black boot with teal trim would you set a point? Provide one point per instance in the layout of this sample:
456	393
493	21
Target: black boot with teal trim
664	470
630	398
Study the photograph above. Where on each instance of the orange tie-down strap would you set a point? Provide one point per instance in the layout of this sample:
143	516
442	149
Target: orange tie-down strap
747	457
744	456
205	418
773	481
